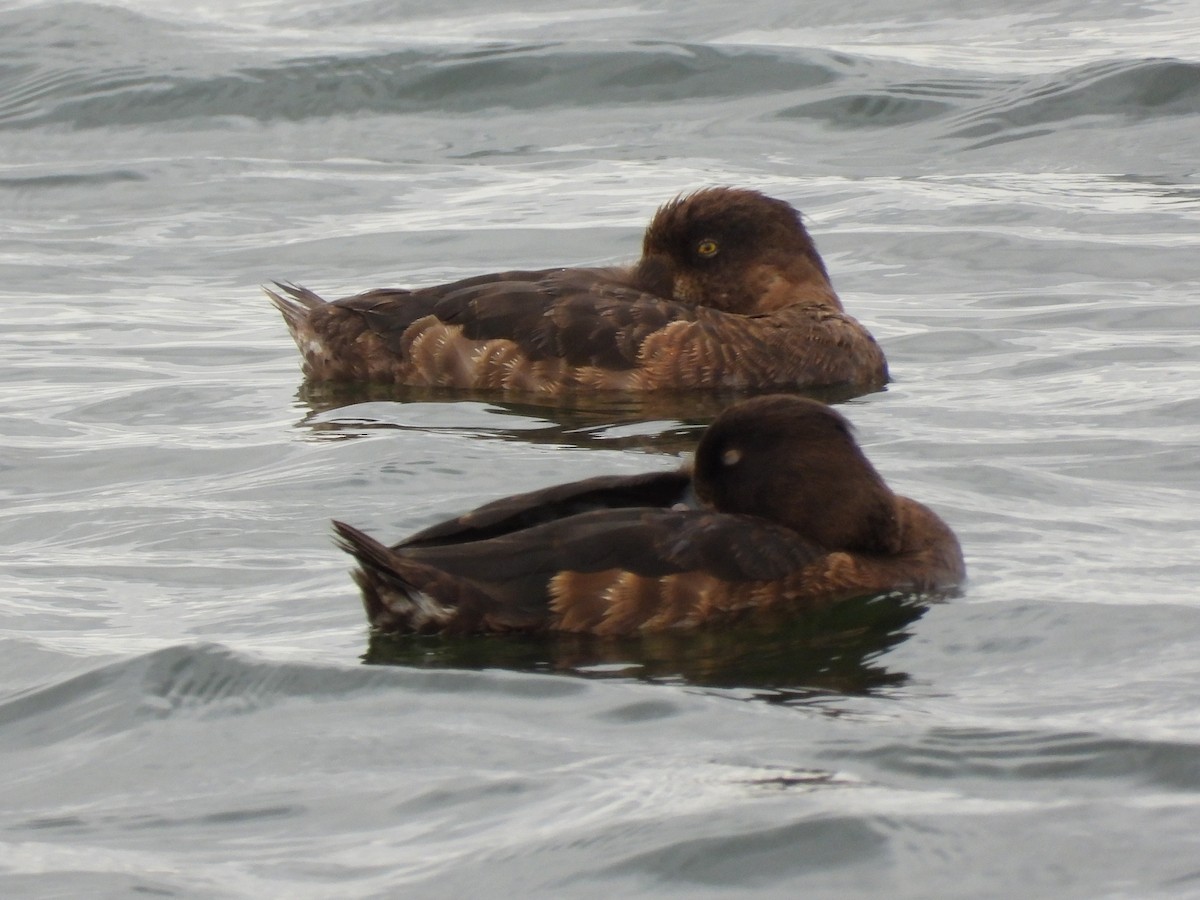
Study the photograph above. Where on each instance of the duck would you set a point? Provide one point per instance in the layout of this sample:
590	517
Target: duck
778	515
729	293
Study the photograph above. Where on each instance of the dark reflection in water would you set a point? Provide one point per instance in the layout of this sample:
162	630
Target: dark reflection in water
667	422
836	650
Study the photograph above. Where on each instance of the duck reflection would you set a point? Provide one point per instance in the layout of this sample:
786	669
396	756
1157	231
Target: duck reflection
835	651
663	422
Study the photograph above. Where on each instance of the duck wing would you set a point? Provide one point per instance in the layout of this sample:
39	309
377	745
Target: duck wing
585	317
521	511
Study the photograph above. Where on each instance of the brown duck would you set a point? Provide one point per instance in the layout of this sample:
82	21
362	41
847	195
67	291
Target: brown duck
780	514
730	292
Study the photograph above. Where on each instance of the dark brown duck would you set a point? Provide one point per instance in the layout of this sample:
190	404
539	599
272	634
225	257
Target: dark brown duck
729	292
780	514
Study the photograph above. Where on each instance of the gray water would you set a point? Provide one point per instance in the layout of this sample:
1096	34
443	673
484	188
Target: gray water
189	704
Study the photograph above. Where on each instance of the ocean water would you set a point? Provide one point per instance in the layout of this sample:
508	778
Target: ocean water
189	703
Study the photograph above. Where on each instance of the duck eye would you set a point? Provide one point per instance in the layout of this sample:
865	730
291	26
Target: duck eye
707	248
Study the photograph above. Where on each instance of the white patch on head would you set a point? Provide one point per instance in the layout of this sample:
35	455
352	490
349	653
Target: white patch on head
731	457
681	289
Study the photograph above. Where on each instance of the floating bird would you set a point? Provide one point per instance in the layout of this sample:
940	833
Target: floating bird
780	514
729	293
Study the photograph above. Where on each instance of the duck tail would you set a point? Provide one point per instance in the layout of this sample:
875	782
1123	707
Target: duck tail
392	597
294	302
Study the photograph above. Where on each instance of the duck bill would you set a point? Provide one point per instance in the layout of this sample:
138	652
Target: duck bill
656	275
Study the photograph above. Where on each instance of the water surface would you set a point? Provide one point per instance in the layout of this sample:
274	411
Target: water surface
190	701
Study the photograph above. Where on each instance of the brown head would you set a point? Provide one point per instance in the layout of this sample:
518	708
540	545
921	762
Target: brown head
734	250
795	461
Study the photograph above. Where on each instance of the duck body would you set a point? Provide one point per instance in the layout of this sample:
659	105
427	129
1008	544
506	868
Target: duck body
780	515
729	293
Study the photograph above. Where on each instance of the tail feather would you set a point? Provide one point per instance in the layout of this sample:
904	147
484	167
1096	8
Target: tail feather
392	600
364	548
296	306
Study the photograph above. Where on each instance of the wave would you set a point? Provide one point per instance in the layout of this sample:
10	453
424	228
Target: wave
71	180
41	86
837	652
61	69
1132	89
948	754
407	81
211	681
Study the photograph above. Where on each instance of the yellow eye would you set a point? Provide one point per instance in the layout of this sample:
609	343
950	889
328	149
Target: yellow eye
707	247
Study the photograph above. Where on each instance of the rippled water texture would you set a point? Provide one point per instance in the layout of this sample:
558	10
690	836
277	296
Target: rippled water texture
190	705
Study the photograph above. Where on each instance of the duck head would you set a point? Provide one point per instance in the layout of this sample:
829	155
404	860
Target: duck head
735	250
795	461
